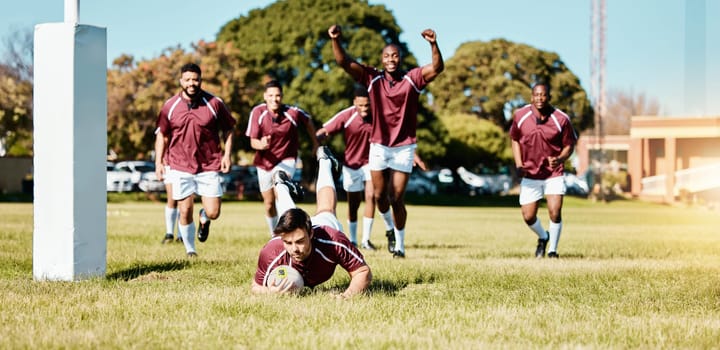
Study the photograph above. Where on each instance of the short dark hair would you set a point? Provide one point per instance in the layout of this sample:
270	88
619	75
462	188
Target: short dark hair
292	220
361	91
543	83
191	67
273	84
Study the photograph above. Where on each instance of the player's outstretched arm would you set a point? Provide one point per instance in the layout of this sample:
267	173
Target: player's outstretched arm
359	281
341	57
432	70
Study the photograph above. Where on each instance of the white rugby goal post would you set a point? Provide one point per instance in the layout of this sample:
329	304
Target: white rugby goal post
70	142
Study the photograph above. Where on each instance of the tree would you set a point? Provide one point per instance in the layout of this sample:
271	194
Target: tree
621	106
472	140
16	73
136	91
299	55
492	79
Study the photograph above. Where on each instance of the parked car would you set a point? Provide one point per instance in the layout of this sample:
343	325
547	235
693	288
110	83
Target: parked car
445	176
485	183
117	180
420	184
141	172
240	180
150	183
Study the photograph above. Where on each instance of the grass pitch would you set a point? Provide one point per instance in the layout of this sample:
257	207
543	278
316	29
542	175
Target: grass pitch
631	275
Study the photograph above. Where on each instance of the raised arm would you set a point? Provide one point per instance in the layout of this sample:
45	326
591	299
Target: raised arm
432	70
341	57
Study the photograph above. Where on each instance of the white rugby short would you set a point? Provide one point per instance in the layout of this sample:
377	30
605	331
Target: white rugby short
397	158
206	184
354	179
326	218
265	181
532	190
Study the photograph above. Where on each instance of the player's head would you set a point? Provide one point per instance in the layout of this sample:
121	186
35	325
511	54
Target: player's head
295	230
391	58
541	95
361	101
190	80
273	95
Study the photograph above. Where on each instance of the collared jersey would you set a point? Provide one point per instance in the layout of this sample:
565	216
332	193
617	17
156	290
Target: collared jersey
356	133
281	127
394	106
539	140
330	248
192	129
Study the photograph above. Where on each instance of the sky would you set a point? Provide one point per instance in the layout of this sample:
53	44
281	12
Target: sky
647	49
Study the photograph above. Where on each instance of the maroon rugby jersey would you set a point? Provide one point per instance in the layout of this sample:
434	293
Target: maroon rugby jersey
394	106
282	129
330	248
357	135
541	140
192	130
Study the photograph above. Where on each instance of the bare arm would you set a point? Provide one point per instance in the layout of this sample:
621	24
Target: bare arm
260	144
432	70
341	58
562	157
160	144
419	162
226	162
313	136
321	134
517	155
359	281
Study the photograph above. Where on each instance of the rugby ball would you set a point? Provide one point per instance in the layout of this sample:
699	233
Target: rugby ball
286	272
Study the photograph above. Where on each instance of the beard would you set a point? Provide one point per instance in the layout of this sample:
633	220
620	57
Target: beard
193	95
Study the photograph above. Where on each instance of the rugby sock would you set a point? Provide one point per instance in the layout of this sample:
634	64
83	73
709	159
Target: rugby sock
283	200
367	228
271	222
388	220
554	229
171	215
325	178
538	229
203	216
400	240
187	232
353	231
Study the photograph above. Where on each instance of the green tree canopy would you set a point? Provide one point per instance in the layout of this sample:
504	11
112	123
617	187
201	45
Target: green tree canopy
492	79
472	141
15	112
288	41
16	93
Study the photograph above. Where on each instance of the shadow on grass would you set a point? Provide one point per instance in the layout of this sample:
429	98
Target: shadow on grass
144	269
435	246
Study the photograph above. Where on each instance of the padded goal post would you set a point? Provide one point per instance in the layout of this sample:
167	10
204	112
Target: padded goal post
70	146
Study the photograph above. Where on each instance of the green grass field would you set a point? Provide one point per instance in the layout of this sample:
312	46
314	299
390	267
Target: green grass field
631	275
